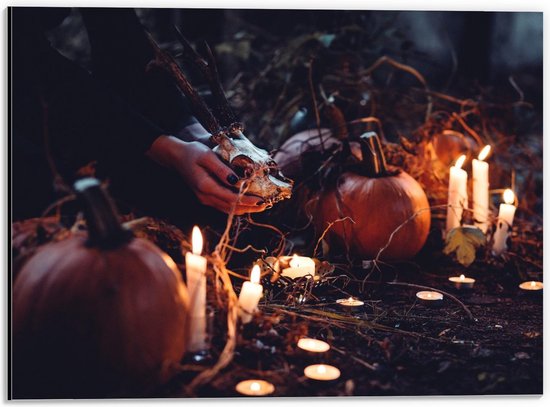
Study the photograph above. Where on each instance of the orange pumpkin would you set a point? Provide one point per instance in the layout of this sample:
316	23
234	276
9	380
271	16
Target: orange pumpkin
378	199
99	314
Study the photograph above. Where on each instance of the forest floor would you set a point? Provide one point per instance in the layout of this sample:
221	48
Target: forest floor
394	344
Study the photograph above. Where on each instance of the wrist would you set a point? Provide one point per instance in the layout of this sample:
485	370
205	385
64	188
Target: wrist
195	132
165	150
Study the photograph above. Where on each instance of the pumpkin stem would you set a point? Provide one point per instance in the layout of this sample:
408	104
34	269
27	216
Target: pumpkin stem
374	161
104	228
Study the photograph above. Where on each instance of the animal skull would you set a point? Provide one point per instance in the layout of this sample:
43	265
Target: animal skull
260	172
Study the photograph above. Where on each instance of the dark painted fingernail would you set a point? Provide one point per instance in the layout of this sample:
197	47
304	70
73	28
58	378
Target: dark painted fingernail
260	203
232	179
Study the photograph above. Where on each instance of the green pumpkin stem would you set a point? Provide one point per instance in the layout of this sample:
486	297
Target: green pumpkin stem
374	161
104	228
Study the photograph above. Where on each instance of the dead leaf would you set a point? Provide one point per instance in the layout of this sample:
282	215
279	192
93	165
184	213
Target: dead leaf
463	242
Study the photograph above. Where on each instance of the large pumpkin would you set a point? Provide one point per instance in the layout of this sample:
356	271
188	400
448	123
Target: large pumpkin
379	200
99	314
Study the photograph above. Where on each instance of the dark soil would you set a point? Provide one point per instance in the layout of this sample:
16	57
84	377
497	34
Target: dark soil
411	348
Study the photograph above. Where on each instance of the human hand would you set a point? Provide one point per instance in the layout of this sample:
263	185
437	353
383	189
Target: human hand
213	182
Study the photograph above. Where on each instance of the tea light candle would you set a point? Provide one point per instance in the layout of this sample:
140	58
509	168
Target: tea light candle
458	195
313	345
322	372
506	214
462	281
429	296
531	285
195	270
480	170
350	302
250	295
299	267
255	387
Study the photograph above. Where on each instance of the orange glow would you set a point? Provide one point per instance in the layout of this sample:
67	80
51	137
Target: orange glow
460	162
509	196
196	240
484	153
255	274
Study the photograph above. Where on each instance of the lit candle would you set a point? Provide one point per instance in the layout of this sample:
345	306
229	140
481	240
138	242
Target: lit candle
506	214
299	267
480	170
462	281
458	195
531	285
255	387
322	372
350	302
429	296
250	295
195	270
313	345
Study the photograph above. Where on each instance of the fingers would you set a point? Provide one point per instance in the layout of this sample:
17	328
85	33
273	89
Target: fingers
213	194
228	207
216	167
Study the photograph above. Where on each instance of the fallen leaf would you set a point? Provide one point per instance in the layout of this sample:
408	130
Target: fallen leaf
463	242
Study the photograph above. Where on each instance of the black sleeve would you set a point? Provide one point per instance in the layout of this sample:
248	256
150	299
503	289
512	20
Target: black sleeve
120	54
87	120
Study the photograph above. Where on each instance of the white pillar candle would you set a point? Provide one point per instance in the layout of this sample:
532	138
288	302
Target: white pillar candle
195	270
480	171
505	220
458	195
299	267
250	295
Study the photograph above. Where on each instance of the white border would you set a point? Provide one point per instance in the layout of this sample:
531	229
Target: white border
480	5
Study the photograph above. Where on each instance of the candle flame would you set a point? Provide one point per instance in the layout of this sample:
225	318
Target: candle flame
460	161
255	386
255	274
484	153
509	196
321	369
350	299
533	283
462	277
196	240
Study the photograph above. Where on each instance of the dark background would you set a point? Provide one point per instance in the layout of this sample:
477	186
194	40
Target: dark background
448	47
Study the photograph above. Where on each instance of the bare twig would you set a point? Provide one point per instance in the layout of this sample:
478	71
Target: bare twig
330	225
315	107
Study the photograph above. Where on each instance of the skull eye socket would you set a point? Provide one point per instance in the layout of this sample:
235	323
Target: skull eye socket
240	171
243	166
